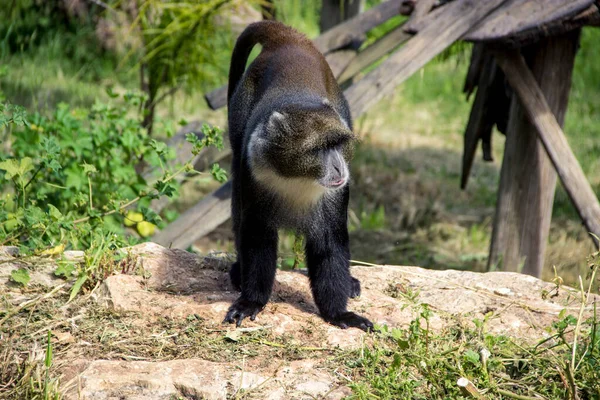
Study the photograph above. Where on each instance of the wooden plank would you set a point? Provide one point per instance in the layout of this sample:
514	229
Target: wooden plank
524	210
588	17
480	124
197	221
517	16
475	67
355	28
374	52
350	32
440	32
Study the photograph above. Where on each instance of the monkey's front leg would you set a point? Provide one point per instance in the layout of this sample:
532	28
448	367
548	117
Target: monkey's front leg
328	259
258	262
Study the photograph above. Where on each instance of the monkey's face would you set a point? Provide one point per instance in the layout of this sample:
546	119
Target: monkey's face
307	144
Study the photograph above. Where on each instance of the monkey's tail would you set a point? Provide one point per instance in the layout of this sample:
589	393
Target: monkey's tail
267	33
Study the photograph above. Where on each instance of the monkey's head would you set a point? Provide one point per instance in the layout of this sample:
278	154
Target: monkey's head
301	143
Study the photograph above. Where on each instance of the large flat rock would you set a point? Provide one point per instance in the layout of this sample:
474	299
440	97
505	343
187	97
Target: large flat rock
174	285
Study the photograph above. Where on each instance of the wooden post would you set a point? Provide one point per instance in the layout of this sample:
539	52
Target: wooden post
528	178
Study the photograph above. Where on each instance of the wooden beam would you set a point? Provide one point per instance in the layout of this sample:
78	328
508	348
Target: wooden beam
212	211
350	32
527	179
374	52
516	21
354	29
480	124
439	33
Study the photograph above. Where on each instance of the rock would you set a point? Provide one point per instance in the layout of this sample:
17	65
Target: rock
8	251
176	284
199	379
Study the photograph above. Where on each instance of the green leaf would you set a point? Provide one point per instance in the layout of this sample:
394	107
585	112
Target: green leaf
160	147
88	168
54	212
165	188
150	216
65	270
77	286
472	356
16	168
218	173
111	93
20	276
48	360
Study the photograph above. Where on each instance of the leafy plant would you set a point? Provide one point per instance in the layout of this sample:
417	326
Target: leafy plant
72	177
173	51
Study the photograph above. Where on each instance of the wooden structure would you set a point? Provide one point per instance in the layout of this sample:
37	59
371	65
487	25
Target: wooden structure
521	65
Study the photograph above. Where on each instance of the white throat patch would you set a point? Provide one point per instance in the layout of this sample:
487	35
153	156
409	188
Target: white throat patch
299	193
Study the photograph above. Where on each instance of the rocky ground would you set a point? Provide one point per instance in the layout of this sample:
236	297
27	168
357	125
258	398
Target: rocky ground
156	333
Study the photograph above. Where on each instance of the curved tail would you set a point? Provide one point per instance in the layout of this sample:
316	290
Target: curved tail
267	33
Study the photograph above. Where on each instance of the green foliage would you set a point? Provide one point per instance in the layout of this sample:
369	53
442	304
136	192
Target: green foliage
416	363
72	176
20	276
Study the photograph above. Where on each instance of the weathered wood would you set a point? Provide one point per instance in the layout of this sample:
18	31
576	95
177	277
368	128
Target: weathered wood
339	60
333	12
590	17
475	67
354	29
527	178
515	21
480	124
380	48
440	32
198	221
490	107
350	32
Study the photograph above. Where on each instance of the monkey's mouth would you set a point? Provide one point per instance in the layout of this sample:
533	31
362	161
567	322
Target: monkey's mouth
334	184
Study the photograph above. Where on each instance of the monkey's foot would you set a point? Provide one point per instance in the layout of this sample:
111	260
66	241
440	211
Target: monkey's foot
235	276
354	288
351	320
241	309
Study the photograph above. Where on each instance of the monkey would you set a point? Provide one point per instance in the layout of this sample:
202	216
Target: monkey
291	137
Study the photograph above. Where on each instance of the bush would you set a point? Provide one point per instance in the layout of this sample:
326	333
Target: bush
73	176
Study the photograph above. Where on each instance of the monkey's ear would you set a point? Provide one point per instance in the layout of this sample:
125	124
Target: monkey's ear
277	116
277	120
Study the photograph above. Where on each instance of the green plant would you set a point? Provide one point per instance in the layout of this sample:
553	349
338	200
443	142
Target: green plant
73	176
173	51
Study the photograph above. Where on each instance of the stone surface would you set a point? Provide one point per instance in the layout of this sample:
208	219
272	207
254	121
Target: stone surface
199	379
176	284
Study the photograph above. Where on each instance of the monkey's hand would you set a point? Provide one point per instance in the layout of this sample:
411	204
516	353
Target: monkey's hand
351	320
241	309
